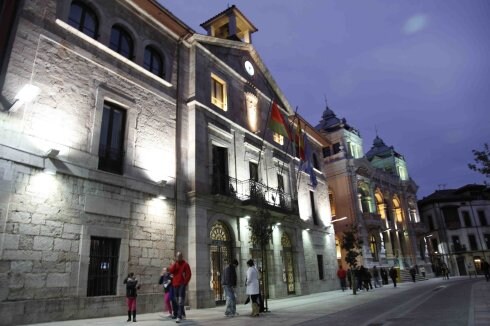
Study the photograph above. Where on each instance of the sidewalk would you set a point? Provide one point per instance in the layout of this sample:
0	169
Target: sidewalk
291	310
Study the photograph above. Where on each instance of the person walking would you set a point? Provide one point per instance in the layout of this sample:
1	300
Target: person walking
384	275
412	273
229	282
342	275
485	266
131	294
181	273
166	281
393	275
376	277
253	289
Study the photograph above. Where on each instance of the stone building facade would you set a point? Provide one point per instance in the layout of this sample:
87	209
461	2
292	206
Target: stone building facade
86	162
139	138
374	192
459	231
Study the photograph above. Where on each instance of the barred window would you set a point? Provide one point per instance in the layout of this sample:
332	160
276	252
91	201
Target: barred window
102	268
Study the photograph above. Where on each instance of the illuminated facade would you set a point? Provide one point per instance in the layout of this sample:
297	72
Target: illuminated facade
459	228
137	137
375	192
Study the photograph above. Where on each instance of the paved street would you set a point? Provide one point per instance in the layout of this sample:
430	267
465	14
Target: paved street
458	301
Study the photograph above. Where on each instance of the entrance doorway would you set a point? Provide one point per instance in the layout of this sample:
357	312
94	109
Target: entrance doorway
220	254
288	266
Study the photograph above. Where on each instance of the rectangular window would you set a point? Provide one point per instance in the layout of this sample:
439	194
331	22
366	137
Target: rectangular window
313	208
472	241
435	245
482	218
111	145
221	181
278	138
102	268
326	151
319	259
336	148
218	92
486	238
466	218
431	223
451	217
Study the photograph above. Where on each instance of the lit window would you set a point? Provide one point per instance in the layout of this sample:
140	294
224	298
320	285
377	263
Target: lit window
278	138
153	62
83	18
218	92
121	42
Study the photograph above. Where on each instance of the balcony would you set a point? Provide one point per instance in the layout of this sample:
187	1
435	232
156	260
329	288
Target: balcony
458	248
251	192
372	220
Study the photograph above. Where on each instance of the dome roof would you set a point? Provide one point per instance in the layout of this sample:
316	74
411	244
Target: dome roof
330	122
380	149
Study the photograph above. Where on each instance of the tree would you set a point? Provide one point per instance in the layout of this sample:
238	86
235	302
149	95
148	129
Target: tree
353	246
261	228
482	160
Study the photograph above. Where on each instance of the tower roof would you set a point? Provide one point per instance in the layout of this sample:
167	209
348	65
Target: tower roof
382	150
231	23
330	122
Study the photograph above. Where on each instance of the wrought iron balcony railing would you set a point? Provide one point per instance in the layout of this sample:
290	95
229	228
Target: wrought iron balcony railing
251	191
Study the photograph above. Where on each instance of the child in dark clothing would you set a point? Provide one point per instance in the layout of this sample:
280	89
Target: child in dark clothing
131	294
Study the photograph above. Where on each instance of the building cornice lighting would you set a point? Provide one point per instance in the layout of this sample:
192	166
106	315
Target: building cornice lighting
27	94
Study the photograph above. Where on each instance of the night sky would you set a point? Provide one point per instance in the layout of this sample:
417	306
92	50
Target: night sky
417	71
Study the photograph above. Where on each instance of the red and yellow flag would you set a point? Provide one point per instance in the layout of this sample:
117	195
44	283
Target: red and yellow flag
276	121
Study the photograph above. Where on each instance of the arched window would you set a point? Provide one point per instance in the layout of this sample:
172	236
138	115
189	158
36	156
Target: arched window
398	210
373	244
83	18
153	62
121	42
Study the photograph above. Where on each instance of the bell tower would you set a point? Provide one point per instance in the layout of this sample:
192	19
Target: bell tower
230	24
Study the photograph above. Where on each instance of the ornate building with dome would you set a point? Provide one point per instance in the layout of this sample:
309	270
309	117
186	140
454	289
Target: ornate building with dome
375	192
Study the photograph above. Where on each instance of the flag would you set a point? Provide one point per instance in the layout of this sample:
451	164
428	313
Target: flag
307	166
276	121
299	142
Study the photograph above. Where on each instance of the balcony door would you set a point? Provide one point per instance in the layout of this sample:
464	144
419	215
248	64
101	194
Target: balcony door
220	170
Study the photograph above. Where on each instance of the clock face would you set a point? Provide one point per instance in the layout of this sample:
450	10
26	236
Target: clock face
249	68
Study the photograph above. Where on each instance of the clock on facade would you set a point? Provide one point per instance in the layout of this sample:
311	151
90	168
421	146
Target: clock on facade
249	68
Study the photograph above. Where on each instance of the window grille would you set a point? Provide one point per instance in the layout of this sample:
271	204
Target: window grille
102	269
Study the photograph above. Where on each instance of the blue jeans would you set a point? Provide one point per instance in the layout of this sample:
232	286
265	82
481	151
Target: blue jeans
230	300
179	295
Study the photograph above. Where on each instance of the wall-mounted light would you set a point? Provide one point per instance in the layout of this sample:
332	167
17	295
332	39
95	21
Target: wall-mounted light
278	223
247	217
388	229
27	94
428	236
307	229
52	153
162	197
339	219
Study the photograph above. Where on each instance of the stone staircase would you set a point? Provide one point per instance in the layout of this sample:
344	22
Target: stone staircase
405	276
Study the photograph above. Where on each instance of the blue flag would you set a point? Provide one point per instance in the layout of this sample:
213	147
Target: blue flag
307	166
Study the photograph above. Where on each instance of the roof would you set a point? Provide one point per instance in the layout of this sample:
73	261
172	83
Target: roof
234	9
165	17
330	122
380	149
467	192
